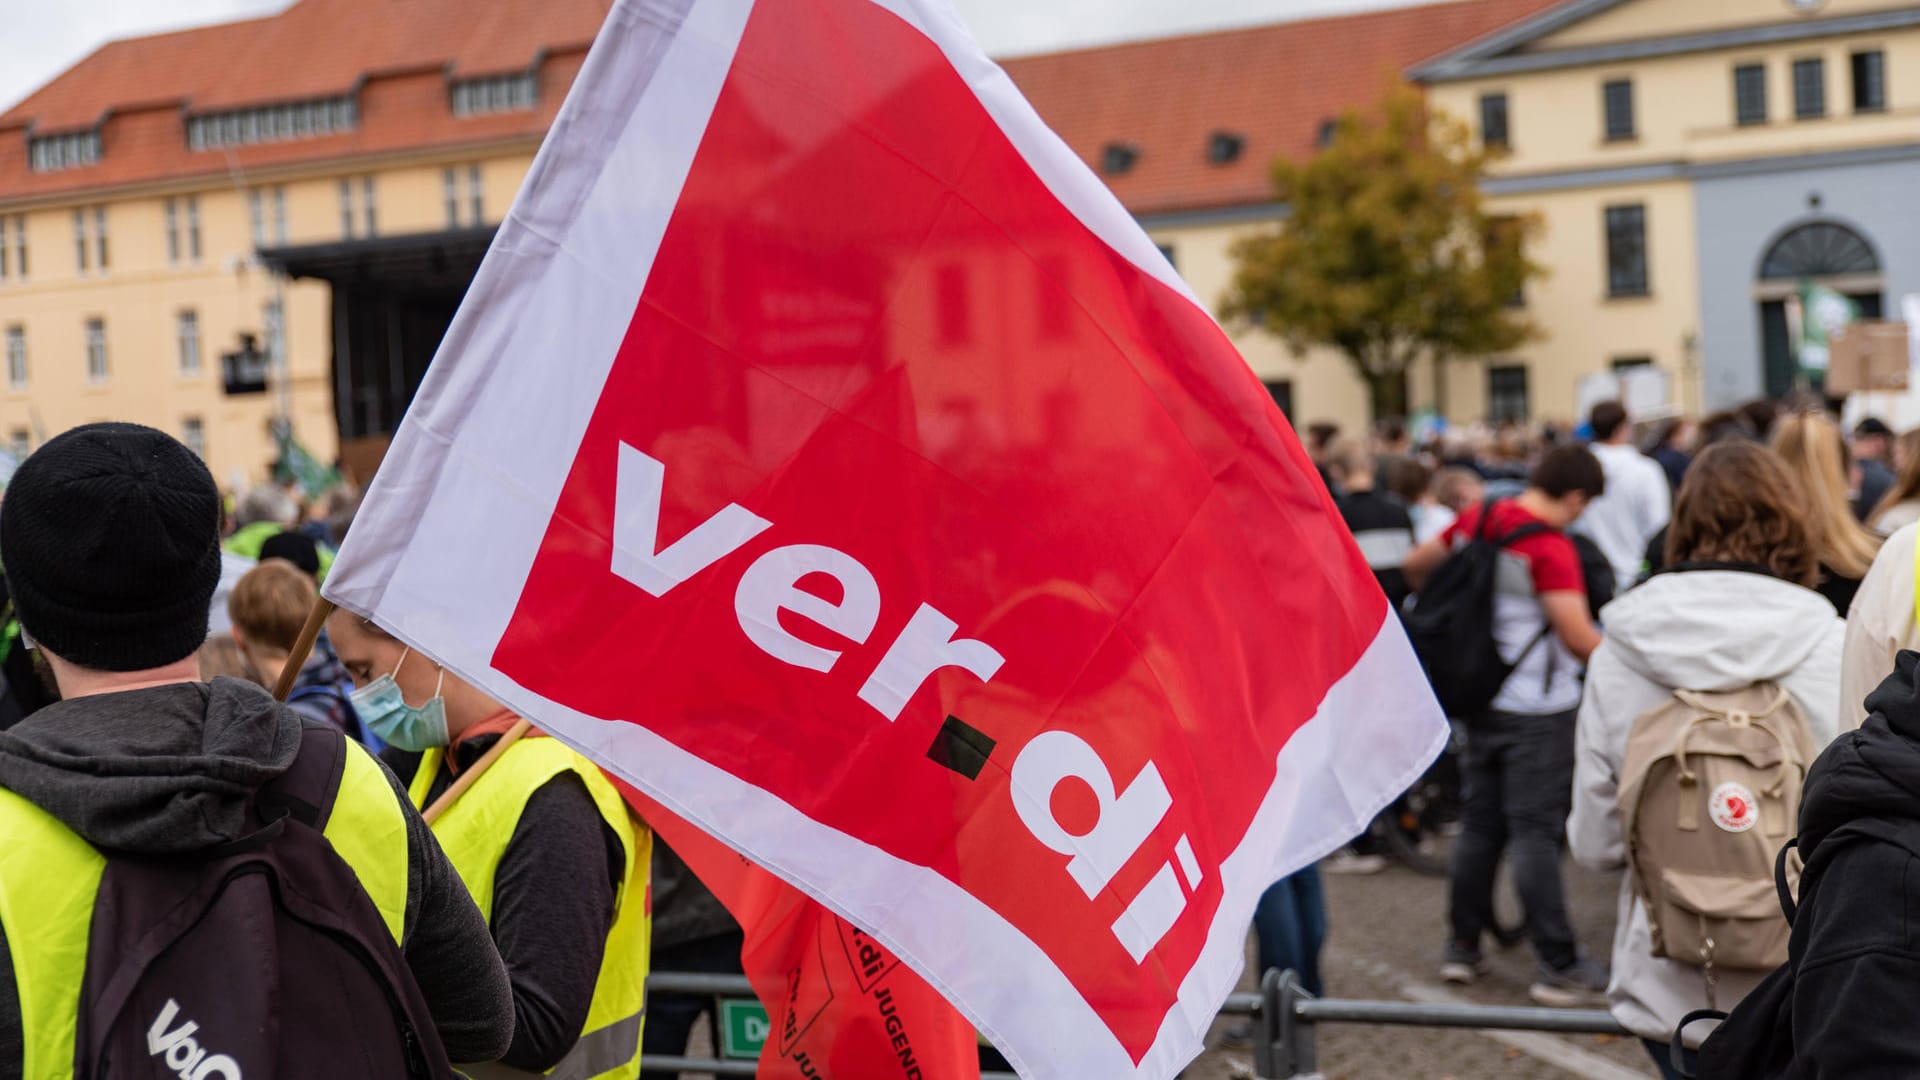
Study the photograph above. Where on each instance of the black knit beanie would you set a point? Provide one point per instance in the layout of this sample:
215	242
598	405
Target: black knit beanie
110	540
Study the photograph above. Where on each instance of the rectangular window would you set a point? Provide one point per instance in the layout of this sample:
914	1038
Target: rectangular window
1749	95
271	123
476	196
1616	96
1281	391
366	200
1870	81
96	350
20	245
1168	253
494	93
49	153
100	234
450	195
20	444
1627	250
193	227
173	233
187	334
193	432
80	240
1506	392
1493	120
16	358
346	209
274	320
1628	363
1809	89
280	216
1506	236
257	218
4	250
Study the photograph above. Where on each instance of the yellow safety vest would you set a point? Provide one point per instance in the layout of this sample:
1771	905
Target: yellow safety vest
474	832
49	877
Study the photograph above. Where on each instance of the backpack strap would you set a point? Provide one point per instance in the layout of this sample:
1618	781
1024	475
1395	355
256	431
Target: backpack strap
306	791
1677	1051
1486	515
1482	528
1787	906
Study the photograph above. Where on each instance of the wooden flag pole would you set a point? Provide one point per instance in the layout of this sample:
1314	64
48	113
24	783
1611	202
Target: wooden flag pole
472	772
302	647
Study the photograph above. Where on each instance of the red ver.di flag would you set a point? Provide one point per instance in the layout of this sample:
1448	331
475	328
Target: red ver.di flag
826	452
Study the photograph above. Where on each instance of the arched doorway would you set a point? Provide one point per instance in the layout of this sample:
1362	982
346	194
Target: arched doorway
1826	253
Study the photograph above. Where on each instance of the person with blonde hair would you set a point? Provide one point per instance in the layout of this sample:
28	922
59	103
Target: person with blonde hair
1900	506
1816	453
268	607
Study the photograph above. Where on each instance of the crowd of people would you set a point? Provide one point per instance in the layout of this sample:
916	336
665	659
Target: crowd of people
1681	616
1670	647
143	621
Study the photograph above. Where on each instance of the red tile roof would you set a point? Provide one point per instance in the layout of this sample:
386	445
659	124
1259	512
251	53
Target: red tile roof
1273	85
397	53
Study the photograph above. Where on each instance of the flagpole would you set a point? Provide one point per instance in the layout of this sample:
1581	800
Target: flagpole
302	647
472	772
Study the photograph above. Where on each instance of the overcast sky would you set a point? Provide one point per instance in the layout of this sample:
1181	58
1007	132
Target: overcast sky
38	38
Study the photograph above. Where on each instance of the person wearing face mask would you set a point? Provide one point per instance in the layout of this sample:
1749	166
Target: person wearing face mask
110	535
544	841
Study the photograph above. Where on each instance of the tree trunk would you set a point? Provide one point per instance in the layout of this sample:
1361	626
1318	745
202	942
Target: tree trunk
1387	394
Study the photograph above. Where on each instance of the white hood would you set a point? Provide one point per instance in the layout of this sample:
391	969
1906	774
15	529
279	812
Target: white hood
1716	629
1691	630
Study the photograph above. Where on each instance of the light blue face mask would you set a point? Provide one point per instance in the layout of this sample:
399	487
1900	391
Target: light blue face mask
394	722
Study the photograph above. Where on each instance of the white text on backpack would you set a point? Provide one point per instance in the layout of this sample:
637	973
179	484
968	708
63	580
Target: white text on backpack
184	1053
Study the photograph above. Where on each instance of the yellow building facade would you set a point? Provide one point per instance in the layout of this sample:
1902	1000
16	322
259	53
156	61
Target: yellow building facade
1690	163
141	337
150	197
1693	161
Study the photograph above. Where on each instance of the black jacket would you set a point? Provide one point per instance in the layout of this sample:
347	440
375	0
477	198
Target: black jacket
172	770
1857	933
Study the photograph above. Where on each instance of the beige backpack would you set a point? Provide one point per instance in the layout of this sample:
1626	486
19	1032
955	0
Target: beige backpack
1709	793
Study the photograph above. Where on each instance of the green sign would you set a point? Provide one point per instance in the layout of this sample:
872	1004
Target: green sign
743	1028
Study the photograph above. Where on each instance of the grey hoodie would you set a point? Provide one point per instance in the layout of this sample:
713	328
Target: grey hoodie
173	769
1711	630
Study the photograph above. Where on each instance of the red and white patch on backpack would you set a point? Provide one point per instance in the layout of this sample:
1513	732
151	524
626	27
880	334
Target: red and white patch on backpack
1733	807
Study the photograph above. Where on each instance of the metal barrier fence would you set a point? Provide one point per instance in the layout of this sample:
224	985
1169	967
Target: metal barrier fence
1283	1045
1284	1021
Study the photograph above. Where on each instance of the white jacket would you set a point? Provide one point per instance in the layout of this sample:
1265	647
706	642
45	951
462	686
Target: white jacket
1879	624
1693	630
1636	505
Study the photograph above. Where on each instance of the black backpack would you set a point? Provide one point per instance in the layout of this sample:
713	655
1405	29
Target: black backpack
1755	1041
1596	572
1451	626
260	960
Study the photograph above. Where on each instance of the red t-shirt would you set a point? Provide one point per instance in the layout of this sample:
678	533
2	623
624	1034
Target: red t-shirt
1546	678
1550	555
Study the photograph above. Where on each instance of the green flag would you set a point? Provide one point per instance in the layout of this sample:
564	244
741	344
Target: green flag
298	464
1823	313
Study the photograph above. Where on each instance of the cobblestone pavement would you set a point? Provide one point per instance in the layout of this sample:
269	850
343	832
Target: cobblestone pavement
1383	942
